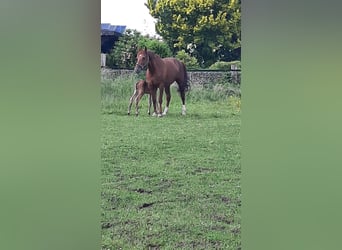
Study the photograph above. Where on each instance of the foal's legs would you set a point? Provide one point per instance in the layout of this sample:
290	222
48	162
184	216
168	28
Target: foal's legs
168	98
137	100
133	97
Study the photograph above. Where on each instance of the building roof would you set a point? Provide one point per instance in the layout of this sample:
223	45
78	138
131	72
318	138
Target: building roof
108	29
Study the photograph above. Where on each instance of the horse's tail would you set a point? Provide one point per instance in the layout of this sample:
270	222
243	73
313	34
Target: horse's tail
185	85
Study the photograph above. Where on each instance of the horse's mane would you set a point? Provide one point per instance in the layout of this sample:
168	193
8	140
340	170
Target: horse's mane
154	59
153	55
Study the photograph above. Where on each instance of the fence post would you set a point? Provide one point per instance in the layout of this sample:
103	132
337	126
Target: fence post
103	60
234	73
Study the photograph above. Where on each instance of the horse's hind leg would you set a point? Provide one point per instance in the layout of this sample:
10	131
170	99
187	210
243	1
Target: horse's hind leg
182	94
168	98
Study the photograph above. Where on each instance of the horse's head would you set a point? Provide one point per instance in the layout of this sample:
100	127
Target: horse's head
142	60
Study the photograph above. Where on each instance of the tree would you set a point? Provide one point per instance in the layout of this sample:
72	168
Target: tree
123	54
208	29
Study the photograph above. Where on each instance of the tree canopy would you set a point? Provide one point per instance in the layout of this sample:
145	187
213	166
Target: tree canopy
210	30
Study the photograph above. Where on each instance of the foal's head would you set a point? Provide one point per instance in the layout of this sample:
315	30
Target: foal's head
142	60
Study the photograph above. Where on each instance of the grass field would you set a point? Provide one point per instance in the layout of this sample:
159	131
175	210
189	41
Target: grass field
170	182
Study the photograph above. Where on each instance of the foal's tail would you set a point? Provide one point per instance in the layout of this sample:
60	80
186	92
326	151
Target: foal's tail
185	84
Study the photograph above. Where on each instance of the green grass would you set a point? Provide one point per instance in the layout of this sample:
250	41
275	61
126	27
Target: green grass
170	182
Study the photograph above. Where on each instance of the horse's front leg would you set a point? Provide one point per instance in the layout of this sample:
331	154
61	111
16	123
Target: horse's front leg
161	91
149	104
154	100
168	98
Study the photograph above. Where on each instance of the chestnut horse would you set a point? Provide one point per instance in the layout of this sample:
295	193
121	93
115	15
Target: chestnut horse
160	74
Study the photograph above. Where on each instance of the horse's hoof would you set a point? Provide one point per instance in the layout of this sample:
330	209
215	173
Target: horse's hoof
160	115
154	114
166	110
183	110
128	113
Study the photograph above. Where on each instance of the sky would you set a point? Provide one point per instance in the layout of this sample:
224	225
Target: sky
131	13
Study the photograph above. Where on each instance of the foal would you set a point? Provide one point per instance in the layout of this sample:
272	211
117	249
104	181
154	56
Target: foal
141	88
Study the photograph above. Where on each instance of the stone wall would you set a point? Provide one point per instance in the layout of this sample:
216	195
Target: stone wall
196	77
107	73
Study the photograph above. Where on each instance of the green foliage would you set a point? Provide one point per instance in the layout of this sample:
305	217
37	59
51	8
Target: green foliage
124	52
123	55
159	47
209	30
189	61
